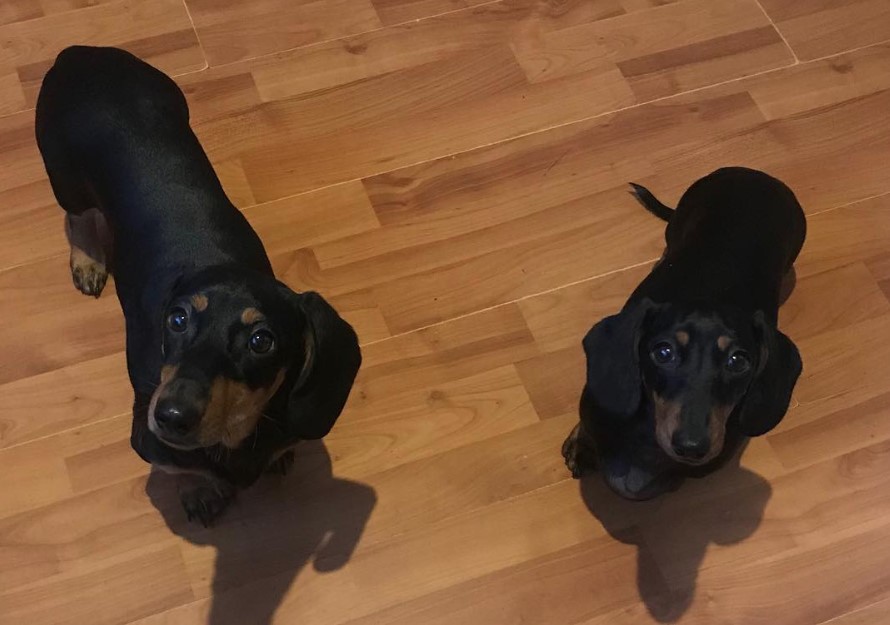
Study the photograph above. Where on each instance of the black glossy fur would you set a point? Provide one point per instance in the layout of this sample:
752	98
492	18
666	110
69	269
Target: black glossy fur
694	361
193	279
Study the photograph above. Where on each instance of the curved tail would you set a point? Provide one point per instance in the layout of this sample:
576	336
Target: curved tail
651	203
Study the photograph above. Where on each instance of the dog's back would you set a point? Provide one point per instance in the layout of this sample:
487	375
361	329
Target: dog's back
741	204
734	235
114	135
90	94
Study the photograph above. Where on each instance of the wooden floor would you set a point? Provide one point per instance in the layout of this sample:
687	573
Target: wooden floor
451	174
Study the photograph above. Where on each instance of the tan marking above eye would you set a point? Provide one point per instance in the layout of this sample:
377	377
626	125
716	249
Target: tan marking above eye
250	316
723	342
682	338
199	302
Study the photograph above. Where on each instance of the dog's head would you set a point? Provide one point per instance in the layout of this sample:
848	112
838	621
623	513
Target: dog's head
696	370
232	344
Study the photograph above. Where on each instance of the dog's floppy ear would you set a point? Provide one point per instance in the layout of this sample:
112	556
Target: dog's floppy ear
332	360
613	368
769	394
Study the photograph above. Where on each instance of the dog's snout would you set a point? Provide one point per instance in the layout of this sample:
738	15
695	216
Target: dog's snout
690	447
176	418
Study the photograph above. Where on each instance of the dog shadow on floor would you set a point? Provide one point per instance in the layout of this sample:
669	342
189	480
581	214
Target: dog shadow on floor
673	532
274	529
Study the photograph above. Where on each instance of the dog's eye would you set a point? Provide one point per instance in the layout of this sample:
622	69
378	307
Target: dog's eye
738	362
261	342
178	320
663	354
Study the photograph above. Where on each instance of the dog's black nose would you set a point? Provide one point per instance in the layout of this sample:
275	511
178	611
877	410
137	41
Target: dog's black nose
174	419
693	448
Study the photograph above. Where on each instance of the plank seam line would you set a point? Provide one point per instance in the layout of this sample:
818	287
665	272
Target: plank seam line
432	325
517	300
759	3
188	14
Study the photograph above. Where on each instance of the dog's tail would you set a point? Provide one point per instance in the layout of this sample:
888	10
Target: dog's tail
651	203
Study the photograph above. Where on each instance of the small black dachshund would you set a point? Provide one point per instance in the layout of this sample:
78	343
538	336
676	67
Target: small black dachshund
230	368
694	361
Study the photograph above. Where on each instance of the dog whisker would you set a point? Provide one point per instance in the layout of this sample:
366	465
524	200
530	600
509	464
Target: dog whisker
272	420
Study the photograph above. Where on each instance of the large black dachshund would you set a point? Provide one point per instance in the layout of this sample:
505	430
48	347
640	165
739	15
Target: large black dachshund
694	360
230	368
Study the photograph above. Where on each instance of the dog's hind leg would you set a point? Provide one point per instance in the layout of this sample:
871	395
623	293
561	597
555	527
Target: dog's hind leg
90	241
87	230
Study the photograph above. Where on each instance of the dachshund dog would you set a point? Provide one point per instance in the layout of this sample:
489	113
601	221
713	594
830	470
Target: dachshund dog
694	361
230	368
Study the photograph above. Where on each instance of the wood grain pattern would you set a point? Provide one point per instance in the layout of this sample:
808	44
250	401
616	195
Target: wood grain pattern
159	31
397	11
818	29
451	175
231	31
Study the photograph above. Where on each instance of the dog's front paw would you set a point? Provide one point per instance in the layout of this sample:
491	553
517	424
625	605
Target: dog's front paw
89	275
206	502
579	458
282	464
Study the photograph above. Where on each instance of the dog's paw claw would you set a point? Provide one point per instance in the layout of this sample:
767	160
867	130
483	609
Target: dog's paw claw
578	459
573	466
205	504
89	277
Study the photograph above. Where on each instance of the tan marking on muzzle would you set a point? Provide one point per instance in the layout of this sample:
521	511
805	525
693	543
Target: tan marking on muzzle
167	374
683	338
251	316
667	420
233	410
199	302
717	419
